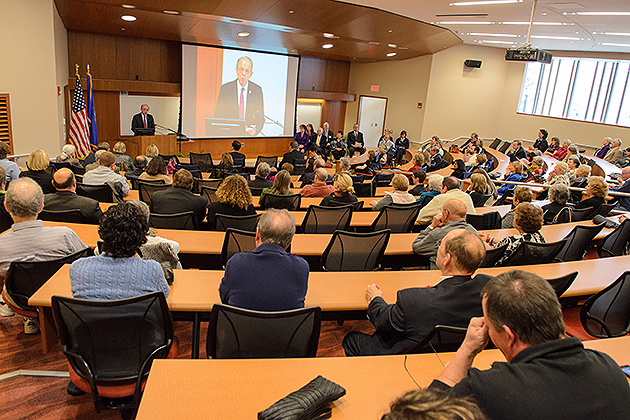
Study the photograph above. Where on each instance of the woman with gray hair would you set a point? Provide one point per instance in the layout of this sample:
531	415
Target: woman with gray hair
559	195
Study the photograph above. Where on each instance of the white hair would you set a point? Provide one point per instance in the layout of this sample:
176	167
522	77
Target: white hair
435	182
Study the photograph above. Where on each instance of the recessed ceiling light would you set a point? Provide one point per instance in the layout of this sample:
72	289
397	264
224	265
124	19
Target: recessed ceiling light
501	35
243	34
485	41
327	35
128	18
128	6
403	48
616	33
391	54
544	14
326	46
612	44
475	22
122	29
290	11
171	12
602	13
236	21
373	43
537	23
391	45
483	2
564	38
390	31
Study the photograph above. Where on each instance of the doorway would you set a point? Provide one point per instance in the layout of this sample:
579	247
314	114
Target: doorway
372	111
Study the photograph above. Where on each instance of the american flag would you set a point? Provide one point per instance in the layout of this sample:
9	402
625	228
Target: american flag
79	132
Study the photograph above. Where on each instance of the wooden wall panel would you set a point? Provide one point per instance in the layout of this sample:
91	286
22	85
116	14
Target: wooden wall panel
312	74
97	50
337	76
107	105
335	113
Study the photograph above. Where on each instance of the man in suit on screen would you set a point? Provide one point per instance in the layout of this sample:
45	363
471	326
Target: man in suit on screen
242	99
143	124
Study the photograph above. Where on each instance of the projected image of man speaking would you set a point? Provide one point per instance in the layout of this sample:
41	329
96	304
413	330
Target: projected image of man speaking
242	99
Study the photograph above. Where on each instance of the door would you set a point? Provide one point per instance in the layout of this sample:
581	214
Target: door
372	118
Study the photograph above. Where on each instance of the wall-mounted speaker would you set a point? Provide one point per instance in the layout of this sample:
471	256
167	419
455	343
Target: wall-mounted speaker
473	63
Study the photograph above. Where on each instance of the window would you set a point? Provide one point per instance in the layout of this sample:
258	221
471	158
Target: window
581	89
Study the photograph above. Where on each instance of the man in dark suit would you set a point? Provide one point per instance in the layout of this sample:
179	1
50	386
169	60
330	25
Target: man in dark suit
143	124
321	142
179	199
328	133
436	160
516	152
242	99
66	198
237	157
355	141
453	301
290	157
260	181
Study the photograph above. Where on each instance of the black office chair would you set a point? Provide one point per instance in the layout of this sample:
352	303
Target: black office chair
236	241
615	243
193	169
256	191
271	160
109	192
299	166
167	158
349	251
146	190
202	160
356	206
491	220
247	223
357	179
58	165
607	313
134	181
110	345
399	218
492	256
561	284
381	180
503	148
277	201
363	190
442	338
236	333
503	199
67	216
577	243
320	219
534	253
603	210
570	214
210	193
425	200
497	141
179	221
239	163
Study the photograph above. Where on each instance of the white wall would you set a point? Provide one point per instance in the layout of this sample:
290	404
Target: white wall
61	76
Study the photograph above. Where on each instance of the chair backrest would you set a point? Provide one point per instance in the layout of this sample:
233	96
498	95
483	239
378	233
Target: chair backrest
441	338
577	242
58	165
604	209
134	181
236	333
356	206
382	180
236	241
426	200
399	218
320	219
495	143
146	190
202	160
299	166
167	158
247	223
570	214
534	253
256	191
105	193
491	220
357	179
483	200
502	200
277	201
25	277
114	341
68	216
210	193
506	145
349	251
363	190
492	256
271	160
607	313
212	183
180	221
193	169
562	283
616	242
239	162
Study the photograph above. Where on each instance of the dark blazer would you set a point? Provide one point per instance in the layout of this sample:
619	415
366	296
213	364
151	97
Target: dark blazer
227	104
329	136
177	200
237	156
402	325
352	138
6	221
541	144
265	279
224	208
418	189
68	200
323	141
136	122
550	210
290	157
519	154
43	178
437	162
259	182
594	202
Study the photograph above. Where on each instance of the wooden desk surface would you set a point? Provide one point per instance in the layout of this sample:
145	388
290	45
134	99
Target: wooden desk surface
231	389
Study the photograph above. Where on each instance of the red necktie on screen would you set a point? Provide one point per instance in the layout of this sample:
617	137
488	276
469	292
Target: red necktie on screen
144	118
241	105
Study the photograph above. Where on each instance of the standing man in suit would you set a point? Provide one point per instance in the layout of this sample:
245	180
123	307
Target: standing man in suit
242	99
143	123
328	133
66	198
453	301
355	141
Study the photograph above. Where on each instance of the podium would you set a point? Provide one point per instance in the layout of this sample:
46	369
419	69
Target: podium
137	145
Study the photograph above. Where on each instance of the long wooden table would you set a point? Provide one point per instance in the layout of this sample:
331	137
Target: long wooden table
197	290
239	389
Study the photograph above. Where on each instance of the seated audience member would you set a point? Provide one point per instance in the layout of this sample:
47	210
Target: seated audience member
371	166
563	151
625	160
94	164
453	301
318	188
471	140
601	152
523	318
123	161
37	163
268	278
536	168
528	220
302	138
434	184
491	187
226	165
139	166
28	239
151	152
450	189
344	191
260	181
69	154
344	165
478	189
179	199
117	273
281	185
452	217
516	152
513	174
418	163
398	196
554	145
558	195
522	194
559	175
320	141
436	161
401	145
459	167
541	142
66	198
156	171
418	177
235	199
615	153
152	238
293	154
337	146
433	404
574	152
286	167
470	154
11	168
480	162
238	158
624	202
595	193
581	176
309	178
92	159
105	173
5	217
572	164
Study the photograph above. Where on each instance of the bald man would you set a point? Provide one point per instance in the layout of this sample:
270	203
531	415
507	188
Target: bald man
66	198
318	188
453	216
453	301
